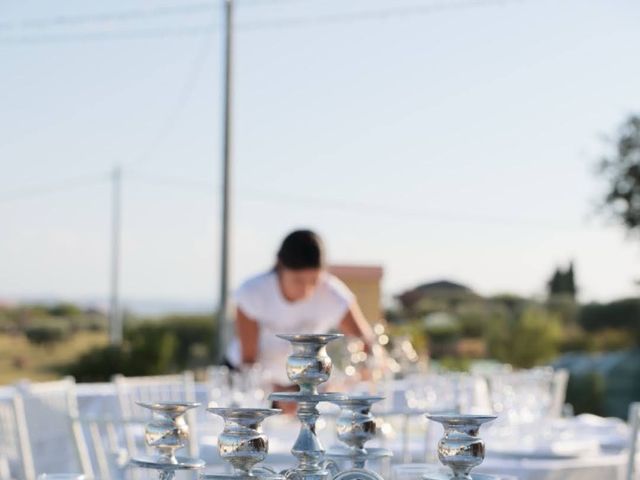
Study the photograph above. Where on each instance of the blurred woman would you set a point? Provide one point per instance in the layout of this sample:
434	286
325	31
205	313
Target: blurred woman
298	295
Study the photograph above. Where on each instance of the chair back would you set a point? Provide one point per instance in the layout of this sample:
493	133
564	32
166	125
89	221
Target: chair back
106	435
176	388
558	392
16	460
634	426
49	411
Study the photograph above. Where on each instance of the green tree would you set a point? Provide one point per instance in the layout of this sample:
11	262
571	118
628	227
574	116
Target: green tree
532	340
621	169
563	282
623	315
536	338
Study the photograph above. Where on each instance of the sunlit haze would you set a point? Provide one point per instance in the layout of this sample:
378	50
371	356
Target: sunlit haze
451	142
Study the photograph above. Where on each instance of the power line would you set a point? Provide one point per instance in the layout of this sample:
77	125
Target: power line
366	15
133	34
257	195
171	120
175	182
108	17
279	23
393	211
344	206
131	14
268	3
53	187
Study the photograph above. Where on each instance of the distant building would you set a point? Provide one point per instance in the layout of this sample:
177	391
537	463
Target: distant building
365	282
441	290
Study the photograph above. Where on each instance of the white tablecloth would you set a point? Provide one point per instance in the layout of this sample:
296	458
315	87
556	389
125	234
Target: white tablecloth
603	467
100	399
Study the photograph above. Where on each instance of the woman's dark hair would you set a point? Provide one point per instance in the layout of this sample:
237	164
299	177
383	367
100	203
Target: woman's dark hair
301	249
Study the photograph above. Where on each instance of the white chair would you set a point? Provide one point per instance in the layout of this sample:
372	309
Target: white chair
558	392
48	412
634	424
106	439
180	387
16	460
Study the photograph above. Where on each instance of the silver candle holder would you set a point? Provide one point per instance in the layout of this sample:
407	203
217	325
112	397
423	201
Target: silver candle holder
308	367
242	442
167	432
356	426
460	448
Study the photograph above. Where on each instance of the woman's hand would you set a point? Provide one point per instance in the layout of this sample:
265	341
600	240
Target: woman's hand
353	323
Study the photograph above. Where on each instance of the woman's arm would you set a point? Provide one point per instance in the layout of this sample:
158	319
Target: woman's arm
354	323
248	331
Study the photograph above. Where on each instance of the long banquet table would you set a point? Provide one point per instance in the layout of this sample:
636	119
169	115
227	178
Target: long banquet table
98	399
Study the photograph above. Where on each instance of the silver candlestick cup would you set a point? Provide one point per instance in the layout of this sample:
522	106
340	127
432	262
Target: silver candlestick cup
460	448
242	442
356	426
308	366
167	432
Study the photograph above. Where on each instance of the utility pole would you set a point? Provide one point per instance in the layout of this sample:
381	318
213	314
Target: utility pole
224	319
115	313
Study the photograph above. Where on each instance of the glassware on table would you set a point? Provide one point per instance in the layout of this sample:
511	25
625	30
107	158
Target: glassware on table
446	392
521	399
61	476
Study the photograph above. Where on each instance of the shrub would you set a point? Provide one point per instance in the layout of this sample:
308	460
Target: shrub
498	337
565	306
101	364
576	341
47	333
7	323
612	339
151	347
63	310
472	323
455	364
619	314
150	355
534	339
186	332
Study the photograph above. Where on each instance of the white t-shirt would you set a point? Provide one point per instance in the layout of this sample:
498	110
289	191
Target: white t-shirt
261	299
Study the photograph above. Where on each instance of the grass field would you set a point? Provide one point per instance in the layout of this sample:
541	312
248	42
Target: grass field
20	359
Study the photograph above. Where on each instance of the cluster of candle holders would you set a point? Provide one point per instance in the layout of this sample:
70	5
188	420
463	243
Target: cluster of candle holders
243	444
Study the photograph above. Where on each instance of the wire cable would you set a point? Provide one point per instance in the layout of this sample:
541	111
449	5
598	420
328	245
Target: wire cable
110	17
279	23
54	187
367	15
343	206
172	119
132	34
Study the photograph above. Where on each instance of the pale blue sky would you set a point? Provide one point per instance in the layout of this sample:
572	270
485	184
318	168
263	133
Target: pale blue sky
457	143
